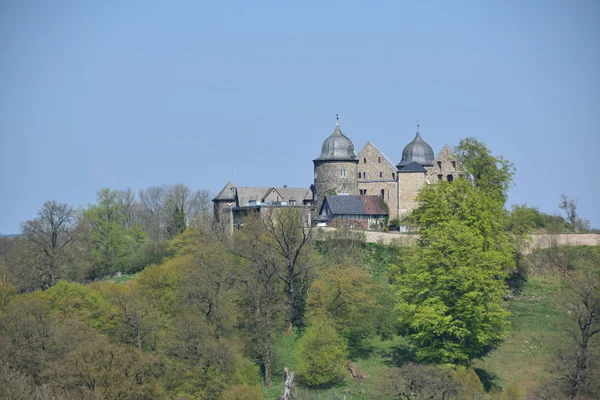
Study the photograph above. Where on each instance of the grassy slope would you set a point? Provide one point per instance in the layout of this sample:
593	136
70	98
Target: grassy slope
538	331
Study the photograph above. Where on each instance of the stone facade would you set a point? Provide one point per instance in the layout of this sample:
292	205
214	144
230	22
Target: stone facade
409	184
377	176
445	167
334	177
338	170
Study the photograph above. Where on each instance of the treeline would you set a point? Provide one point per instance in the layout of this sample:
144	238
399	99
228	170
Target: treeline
206	316
120	232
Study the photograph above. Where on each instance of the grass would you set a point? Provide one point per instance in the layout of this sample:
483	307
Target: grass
538	332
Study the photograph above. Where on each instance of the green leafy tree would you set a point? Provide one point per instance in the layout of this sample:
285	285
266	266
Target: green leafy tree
322	354
492	174
113	244
450	292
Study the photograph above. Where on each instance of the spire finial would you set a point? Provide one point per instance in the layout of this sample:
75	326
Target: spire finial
337	120
417	125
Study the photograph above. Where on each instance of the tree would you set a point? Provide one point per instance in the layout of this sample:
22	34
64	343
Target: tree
569	206
261	299
153	210
346	296
583	305
322	354
113	245
50	235
417	382
286	233
450	292
492	174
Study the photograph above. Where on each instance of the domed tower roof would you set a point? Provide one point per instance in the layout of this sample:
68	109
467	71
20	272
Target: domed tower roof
337	147
418	151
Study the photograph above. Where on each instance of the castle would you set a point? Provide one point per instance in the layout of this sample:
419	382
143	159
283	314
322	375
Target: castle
338	172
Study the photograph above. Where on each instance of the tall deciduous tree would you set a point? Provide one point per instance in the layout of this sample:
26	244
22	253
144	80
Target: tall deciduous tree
450	292
491	173
112	243
51	234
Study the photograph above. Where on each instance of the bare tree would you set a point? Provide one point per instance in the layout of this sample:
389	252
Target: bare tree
153	206
126	202
51	234
583	304
286	234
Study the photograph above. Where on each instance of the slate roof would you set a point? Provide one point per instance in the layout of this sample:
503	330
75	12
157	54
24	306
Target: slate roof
297	194
354	205
417	150
337	147
373	206
228	192
412	167
245	194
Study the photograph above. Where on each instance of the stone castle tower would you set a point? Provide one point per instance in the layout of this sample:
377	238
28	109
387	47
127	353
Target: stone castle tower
336	168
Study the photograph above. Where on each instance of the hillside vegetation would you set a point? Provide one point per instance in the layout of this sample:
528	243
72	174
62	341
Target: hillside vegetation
149	299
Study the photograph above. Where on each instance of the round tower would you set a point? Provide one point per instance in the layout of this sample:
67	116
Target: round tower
336	169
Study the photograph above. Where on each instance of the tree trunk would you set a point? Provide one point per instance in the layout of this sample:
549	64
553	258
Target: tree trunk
287	389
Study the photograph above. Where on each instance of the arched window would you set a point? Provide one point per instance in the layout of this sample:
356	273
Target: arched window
440	176
365	160
450	178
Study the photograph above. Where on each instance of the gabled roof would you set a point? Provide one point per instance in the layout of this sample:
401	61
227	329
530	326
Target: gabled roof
227	193
354	205
412	167
295	193
373	205
245	194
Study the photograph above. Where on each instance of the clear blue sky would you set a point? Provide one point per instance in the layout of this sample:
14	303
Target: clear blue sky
123	94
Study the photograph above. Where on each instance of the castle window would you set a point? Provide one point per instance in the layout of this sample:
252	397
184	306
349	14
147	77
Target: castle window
363	192
440	176
393	176
379	160
439	164
383	193
453	164
364	175
342	173
292	202
365	160
381	174
450	178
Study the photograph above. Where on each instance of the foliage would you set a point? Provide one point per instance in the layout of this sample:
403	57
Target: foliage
322	354
451	290
491	174
416	382
345	296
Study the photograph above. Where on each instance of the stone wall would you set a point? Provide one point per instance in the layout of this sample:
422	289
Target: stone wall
444	166
537	241
409	184
376	173
329	180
